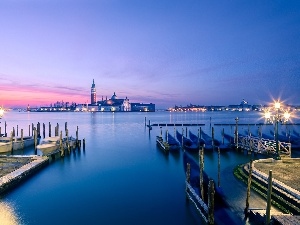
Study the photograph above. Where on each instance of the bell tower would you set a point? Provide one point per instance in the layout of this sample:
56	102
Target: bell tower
93	94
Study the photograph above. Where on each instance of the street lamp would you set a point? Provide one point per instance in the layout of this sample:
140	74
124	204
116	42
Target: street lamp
275	115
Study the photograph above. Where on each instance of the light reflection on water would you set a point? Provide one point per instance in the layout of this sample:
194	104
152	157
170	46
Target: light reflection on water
8	215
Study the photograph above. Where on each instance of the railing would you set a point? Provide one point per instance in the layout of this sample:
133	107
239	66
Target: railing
261	145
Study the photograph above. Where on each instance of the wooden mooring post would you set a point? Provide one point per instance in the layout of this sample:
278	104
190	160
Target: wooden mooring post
167	135
76	144
174	132
223	135
248	188
269	194
57	125
200	133
17	130
61	147
35	139
56	131
211	202
188	176
236	141
68	143
44	130
79	144
32	129
29	130
5	125
38	127
49	129
66	127
83	143
182	139
22	141
219	168
212	138
201	167
11	141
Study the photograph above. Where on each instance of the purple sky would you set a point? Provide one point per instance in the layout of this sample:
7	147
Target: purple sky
164	52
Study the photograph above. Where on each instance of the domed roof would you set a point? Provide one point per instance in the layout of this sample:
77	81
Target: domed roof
114	96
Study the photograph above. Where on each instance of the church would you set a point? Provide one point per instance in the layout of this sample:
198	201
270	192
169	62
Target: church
115	104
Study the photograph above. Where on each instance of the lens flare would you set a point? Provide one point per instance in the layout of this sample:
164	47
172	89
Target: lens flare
8	215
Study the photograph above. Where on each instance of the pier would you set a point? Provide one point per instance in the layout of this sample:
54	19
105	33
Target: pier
176	124
15	169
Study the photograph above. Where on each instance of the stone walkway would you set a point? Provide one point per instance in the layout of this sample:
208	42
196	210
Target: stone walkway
16	168
287	171
11	163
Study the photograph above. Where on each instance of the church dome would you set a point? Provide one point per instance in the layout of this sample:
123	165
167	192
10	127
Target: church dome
114	96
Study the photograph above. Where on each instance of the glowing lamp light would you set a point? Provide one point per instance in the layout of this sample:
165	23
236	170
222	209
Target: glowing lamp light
277	105
1	112
267	115
287	115
276	116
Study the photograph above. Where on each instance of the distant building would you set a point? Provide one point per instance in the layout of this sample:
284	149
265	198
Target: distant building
141	107
245	106
114	104
257	107
93	94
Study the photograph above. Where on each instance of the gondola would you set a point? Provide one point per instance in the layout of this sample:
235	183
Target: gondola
187	143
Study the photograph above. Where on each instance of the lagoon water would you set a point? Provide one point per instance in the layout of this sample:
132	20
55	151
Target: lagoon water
121	177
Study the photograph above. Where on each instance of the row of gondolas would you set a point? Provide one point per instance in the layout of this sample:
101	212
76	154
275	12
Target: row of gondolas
192	142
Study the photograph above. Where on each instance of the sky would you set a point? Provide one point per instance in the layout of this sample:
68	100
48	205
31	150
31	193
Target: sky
166	52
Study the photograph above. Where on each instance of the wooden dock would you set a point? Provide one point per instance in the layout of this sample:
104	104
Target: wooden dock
14	177
177	124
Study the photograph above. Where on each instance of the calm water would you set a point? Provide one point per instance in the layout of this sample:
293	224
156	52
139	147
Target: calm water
121	177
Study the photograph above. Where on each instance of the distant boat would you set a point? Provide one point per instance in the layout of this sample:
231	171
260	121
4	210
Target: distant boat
187	143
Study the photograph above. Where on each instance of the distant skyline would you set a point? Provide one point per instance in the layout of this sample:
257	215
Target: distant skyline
164	52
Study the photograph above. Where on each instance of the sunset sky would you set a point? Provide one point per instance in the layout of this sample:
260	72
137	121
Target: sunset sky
164	52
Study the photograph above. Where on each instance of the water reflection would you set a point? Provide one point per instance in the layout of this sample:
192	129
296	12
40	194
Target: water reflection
8	215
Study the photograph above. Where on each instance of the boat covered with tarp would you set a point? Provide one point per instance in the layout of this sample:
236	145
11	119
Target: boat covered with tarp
187	143
173	143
